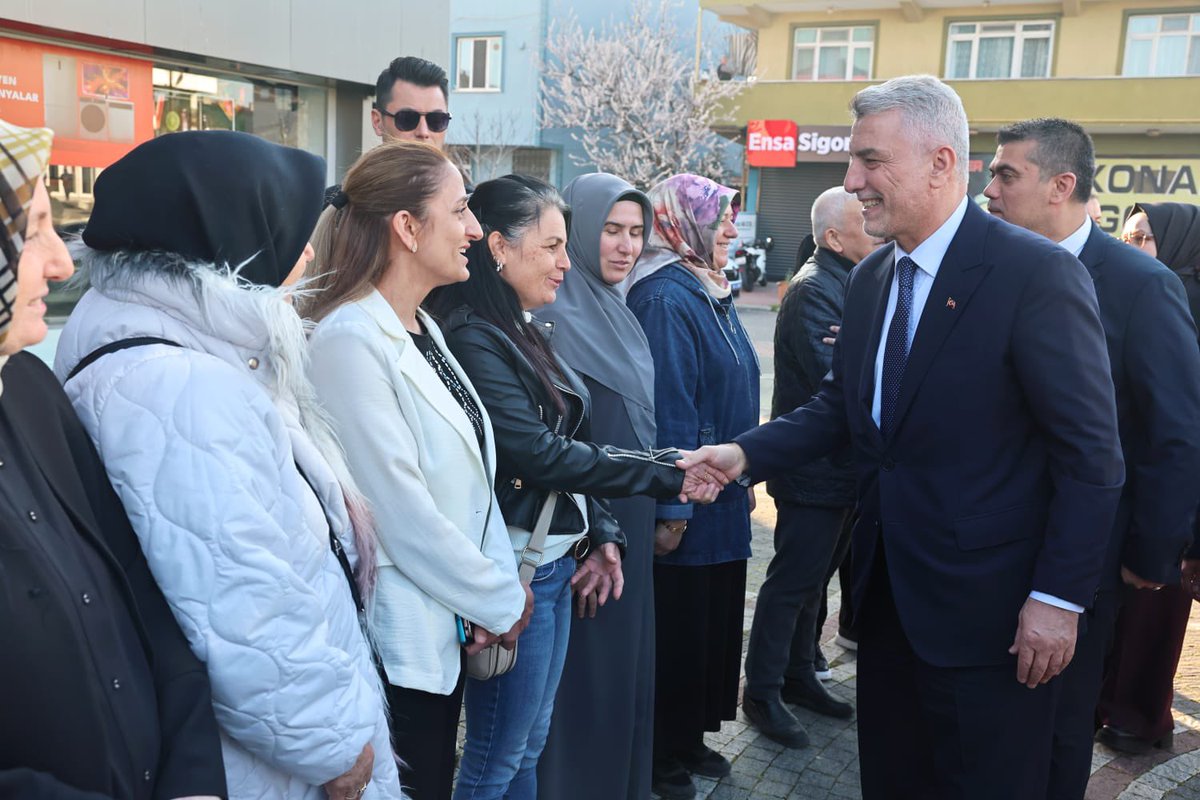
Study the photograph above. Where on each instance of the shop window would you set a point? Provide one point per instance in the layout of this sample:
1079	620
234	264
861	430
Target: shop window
833	54
477	66
1162	45
999	49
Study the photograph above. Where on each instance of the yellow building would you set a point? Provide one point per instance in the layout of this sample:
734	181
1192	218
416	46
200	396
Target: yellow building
1128	72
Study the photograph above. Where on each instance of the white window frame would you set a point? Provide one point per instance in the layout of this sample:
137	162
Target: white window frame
1018	35
849	43
1192	34
459	42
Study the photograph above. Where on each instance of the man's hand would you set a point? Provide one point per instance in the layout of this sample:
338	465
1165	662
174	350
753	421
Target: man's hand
1190	577
508	640
1045	641
713	465
831	340
353	783
701	484
599	575
1137	582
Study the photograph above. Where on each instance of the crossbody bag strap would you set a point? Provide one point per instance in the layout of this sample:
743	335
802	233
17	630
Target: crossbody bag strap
335	544
112	347
531	556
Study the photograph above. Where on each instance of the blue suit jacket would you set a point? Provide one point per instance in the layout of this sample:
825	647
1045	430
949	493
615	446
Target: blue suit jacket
1004	469
1156	371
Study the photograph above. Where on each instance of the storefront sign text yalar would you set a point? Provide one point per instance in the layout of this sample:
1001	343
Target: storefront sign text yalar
1123	182
10	89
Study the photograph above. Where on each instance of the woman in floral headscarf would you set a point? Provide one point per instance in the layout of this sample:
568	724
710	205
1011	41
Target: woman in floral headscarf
705	391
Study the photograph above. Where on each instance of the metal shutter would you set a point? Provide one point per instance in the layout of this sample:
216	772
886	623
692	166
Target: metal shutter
784	209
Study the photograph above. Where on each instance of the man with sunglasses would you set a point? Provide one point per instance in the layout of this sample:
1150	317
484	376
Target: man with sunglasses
410	102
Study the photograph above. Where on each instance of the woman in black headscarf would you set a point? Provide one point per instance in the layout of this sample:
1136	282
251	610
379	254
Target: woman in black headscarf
609	673
101	695
186	362
1139	676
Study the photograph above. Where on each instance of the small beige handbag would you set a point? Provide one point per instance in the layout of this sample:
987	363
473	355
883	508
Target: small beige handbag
494	660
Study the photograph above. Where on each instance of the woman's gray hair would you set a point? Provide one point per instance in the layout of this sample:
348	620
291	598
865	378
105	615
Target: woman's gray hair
932	111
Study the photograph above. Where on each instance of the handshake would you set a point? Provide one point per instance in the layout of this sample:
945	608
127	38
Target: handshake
708	470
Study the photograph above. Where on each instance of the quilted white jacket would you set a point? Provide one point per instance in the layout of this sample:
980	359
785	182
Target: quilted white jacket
202	443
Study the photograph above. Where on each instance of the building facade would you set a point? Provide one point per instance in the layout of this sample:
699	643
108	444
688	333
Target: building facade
1128	72
497	50
108	77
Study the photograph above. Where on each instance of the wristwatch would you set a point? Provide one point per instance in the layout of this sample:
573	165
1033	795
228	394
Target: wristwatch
675	526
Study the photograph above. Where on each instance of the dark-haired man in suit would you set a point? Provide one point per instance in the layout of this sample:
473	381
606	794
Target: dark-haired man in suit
1042	180
971	379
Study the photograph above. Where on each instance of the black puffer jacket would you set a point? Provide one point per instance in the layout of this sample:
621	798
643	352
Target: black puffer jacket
813	302
538	449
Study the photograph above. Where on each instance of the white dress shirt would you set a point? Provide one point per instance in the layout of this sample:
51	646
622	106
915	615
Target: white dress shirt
1074	243
928	257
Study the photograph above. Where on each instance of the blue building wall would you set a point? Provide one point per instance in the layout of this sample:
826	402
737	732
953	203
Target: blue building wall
511	113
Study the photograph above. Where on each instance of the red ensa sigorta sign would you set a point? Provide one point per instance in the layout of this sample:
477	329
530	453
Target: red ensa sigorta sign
771	143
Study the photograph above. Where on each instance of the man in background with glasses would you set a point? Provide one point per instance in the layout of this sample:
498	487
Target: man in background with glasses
411	98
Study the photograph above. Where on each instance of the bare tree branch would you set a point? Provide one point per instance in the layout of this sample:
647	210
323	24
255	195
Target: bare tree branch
630	97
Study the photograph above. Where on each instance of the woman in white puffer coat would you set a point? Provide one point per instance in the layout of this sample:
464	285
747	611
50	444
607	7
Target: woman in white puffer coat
191	380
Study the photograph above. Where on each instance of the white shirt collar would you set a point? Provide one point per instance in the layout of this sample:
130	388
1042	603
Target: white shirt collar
928	254
1074	243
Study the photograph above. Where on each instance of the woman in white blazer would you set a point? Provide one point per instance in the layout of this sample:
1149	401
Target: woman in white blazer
417	440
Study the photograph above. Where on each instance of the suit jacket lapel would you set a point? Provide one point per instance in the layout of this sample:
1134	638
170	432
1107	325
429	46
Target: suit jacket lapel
958	276
1092	254
879	283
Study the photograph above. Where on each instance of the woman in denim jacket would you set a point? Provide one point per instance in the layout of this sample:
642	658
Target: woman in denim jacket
705	391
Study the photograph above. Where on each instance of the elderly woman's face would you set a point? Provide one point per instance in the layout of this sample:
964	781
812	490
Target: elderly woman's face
535	265
726	233
43	259
621	241
1137	232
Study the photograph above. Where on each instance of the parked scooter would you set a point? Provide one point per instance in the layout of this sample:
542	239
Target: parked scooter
751	261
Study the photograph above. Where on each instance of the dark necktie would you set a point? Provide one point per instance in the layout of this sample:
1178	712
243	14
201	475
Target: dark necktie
895	356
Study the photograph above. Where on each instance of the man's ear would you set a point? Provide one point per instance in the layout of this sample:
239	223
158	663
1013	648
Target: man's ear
943	166
833	241
377	122
1062	186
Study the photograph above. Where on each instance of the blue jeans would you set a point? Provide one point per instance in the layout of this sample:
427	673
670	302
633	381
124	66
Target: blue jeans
508	717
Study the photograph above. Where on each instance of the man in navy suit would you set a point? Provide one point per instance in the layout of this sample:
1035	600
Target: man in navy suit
1042	180
971	379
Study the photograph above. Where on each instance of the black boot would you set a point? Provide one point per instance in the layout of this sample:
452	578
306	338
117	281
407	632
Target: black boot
773	720
810	693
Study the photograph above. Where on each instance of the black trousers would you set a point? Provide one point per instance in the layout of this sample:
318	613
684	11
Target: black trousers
944	733
698	638
424	733
1075	716
810	543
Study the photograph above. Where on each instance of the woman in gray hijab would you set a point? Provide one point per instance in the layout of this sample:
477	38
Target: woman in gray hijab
601	737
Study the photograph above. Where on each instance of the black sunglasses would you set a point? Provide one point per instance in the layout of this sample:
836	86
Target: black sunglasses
407	119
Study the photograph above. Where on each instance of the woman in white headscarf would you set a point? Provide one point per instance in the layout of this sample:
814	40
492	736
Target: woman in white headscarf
609	674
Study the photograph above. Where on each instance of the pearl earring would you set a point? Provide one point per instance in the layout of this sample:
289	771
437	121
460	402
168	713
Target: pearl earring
499	266
414	247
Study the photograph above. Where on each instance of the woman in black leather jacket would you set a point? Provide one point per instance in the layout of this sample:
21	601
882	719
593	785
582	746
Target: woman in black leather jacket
539	409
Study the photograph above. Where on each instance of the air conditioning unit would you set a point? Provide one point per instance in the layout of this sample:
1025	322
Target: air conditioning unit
105	120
